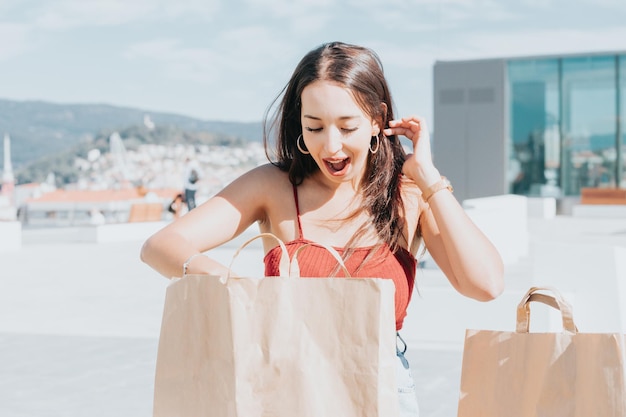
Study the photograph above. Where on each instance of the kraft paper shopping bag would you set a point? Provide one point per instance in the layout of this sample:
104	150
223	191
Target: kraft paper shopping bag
523	374
277	346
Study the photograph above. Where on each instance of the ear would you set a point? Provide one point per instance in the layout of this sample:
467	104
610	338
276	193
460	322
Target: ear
380	120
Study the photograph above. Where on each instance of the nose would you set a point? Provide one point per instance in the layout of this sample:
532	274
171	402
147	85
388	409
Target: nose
333	142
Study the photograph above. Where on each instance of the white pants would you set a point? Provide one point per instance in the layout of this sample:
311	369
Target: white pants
406	384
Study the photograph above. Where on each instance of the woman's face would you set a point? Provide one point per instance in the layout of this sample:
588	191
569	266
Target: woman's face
336	131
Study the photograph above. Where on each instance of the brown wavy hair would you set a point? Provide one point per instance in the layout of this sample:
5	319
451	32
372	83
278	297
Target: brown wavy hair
359	70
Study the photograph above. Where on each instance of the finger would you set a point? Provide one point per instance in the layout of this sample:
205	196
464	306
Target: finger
422	122
410	120
415	120
399	131
413	126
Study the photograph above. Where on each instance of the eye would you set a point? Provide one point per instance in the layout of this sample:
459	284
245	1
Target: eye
349	129
310	129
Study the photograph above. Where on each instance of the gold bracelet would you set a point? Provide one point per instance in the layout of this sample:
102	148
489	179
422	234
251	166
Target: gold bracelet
442	184
188	261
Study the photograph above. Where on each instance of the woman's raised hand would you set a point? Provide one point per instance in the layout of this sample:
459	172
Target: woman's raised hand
419	164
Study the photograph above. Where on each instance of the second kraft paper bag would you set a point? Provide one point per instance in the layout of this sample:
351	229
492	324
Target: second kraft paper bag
277	346
523	374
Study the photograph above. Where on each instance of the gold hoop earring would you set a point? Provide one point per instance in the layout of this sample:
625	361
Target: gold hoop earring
305	152
373	151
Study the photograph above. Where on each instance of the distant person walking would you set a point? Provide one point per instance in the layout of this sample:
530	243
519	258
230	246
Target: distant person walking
192	175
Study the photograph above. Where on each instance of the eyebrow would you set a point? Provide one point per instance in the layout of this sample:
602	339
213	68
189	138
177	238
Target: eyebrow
308	116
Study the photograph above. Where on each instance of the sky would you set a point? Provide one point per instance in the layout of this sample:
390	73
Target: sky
228	59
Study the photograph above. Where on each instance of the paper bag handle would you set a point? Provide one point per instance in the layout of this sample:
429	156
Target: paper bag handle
555	300
294	268
283	266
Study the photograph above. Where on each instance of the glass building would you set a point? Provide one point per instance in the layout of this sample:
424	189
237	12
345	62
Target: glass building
539	126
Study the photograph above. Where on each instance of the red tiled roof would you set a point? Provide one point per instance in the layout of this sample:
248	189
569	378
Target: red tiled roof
29	185
102	195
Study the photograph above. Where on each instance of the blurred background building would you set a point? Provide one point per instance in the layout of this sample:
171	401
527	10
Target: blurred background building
544	126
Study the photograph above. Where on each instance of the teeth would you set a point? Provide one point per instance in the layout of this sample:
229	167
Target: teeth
339	165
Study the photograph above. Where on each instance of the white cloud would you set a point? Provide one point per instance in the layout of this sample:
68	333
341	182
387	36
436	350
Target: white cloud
14	39
610	4
414	15
289	8
7	5
538	4
477	13
535	42
67	14
251	48
301	17
394	55
239	53
177	61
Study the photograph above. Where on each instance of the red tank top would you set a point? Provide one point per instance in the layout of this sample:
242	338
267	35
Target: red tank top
315	261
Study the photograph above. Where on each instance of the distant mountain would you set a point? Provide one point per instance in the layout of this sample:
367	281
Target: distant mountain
40	129
67	171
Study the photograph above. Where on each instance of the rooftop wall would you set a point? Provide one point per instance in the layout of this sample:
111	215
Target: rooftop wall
470	125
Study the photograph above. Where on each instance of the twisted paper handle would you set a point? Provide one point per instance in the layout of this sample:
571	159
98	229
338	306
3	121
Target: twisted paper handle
555	300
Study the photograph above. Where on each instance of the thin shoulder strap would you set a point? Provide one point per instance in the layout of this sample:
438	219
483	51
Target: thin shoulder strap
295	197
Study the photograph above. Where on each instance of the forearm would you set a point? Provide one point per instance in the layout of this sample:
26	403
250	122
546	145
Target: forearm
167	251
471	261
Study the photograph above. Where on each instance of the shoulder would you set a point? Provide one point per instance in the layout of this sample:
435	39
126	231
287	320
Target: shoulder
266	174
274	194
260	181
257	193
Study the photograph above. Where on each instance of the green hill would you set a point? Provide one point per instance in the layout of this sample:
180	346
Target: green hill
46	134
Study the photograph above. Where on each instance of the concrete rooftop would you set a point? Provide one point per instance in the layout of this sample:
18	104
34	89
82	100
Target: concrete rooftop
79	325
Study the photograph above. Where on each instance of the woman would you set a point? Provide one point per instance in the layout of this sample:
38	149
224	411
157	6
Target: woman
341	177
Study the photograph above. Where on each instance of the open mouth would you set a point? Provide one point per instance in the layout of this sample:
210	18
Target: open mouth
337	167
